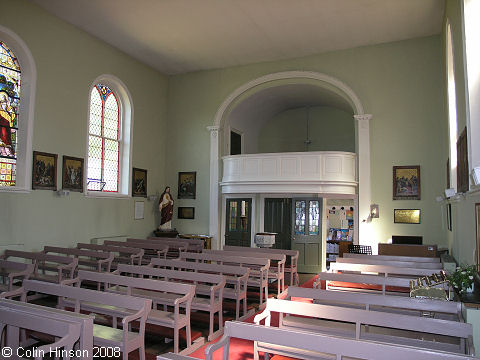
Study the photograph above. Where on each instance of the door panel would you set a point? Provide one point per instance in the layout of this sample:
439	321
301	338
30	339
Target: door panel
238	227
307	234
278	219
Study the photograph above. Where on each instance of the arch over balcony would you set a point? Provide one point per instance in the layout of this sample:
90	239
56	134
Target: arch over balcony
329	85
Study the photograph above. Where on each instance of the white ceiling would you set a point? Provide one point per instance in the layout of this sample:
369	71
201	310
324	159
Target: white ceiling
179	36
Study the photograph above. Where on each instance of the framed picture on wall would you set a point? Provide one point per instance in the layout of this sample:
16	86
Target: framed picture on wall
406	216
187	185
139	182
72	173
406	182
186	212
44	175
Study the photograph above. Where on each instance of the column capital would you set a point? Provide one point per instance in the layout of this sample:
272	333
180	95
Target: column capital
213	128
364	117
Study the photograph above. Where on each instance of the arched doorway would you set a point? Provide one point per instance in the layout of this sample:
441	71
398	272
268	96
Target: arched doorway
323	81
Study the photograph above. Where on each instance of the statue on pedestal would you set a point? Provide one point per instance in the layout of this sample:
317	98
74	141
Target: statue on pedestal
165	207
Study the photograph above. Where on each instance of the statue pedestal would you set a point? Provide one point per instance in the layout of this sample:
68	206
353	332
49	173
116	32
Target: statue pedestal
166	233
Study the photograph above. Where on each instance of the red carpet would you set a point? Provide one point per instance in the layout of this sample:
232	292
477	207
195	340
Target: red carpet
243	349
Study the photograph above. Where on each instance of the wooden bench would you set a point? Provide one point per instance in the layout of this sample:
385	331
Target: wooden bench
302	345
62	267
180	294
174	247
85	321
381	269
114	305
393	258
234	275
407	264
151	250
438	309
134	257
292	256
194	245
13	273
276	271
93	260
213	283
434	334
66	333
258	267
364	283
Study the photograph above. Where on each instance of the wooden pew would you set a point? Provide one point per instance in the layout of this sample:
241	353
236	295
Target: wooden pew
106	304
277	264
213	282
408	264
63	267
381	269
181	296
258	267
292	256
438	309
434	334
234	275
11	271
307	345
65	332
85	321
364	283
174	247
151	250
419	259
134	258
93	260
194	245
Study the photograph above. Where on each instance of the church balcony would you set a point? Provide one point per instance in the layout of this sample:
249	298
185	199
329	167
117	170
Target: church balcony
322	172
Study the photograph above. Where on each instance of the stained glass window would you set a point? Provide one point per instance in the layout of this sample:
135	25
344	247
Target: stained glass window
300	217
313	217
103	140
9	106
232	223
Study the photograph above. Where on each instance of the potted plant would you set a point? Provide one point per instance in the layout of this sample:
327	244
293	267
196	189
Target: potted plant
462	278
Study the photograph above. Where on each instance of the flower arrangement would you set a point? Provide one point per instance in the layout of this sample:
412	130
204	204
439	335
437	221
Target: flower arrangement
463	277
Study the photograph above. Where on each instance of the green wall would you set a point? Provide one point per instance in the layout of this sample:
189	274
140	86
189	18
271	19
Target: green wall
329	129
68	61
462	238
399	83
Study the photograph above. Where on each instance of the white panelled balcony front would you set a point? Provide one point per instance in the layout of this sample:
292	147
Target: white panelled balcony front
332	172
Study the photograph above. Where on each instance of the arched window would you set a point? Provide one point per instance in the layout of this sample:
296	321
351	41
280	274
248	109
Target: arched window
109	138
9	104
452	108
17	97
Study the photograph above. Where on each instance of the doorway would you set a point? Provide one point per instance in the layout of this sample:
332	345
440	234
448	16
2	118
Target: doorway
238	229
307	234
278	219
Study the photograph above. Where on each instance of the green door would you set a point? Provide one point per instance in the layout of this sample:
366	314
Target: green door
307	234
278	219
238	222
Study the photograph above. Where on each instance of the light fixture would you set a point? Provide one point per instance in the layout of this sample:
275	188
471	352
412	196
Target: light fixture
374	212
307	141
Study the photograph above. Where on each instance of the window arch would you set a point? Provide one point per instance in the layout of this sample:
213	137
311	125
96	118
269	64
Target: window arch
109	137
17	96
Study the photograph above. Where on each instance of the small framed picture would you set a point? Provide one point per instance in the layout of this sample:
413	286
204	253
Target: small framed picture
139	182
186	212
44	175
72	173
406	182
406	216
187	185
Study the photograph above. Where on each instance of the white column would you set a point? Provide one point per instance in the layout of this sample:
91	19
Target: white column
362	129
214	199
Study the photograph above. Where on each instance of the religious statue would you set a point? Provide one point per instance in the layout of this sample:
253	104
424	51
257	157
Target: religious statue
165	207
